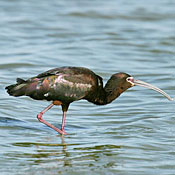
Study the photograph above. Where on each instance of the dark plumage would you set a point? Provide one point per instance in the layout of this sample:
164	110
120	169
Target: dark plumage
67	84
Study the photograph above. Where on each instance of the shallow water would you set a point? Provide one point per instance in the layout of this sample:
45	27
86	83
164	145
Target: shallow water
133	135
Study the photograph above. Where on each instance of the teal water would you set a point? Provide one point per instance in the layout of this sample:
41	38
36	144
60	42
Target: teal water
134	135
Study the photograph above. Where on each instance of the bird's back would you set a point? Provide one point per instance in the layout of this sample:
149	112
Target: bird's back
66	84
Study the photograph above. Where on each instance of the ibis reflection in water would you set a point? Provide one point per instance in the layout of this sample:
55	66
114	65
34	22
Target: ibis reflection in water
65	85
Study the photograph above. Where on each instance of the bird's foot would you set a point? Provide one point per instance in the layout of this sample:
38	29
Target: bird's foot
63	132
60	131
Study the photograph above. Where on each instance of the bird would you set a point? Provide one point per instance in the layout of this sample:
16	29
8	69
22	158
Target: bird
64	85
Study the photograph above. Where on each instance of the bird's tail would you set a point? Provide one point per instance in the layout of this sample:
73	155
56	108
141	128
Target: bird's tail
17	89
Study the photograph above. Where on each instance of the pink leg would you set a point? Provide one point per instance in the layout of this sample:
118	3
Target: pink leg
64	109
39	116
63	120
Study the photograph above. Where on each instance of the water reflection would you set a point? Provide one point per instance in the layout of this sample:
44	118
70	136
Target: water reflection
43	152
66	155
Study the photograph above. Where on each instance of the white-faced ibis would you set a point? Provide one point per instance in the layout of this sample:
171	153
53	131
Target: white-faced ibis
64	85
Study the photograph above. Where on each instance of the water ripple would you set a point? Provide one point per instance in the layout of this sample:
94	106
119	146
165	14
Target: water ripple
133	135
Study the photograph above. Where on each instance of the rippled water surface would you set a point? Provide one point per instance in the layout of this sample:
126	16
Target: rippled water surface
134	135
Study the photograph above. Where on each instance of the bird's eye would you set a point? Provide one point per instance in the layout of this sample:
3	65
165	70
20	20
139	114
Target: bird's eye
130	80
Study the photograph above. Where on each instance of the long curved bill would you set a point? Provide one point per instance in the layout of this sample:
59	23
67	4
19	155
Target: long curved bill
149	86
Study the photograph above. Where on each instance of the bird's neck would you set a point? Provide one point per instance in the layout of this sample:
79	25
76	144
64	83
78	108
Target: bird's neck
112	94
107	94
113	89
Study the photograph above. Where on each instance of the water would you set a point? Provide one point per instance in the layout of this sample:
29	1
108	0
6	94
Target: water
135	134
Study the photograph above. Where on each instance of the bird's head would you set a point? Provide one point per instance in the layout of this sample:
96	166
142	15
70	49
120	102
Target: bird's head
120	82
